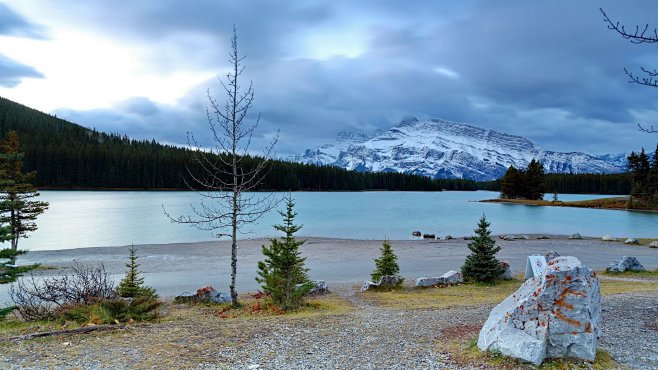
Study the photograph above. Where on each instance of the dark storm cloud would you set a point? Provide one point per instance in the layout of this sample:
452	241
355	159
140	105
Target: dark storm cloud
550	71
12	72
13	24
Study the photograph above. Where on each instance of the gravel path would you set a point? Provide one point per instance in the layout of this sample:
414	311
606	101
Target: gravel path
369	337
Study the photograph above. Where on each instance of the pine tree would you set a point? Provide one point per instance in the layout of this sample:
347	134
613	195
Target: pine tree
283	273
511	184
132	285
386	264
17	211
482	265
534	181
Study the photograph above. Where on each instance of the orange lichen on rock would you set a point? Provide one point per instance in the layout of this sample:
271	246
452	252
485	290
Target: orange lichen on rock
569	321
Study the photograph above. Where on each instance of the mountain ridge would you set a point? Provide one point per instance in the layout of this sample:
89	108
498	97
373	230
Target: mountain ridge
445	149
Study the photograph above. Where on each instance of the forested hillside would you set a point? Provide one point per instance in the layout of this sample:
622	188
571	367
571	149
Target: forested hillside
588	183
67	155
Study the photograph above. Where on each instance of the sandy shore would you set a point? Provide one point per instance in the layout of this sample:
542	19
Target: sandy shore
174	268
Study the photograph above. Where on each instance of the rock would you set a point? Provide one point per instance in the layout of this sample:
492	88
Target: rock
429	236
416	233
468	238
185	297
209	294
205	294
452	277
654	244
507	273
556	315
385	282
425	282
389	281
631	241
524	237
625	264
449	237
319	288
368	285
542	237
551	255
575	236
608	238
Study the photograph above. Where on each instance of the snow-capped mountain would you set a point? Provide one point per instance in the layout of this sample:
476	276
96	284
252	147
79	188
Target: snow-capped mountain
444	149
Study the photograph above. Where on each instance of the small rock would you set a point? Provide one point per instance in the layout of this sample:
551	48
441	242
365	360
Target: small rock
631	241
507	273
524	237
425	282
319	288
551	255
468	238
185	297
452	277
575	236
654	244
541	237
429	236
386	282
66	343
449	237
625	264
368	285
608	238
416	233
209	294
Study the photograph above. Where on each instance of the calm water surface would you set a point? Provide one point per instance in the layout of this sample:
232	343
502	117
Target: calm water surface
112	218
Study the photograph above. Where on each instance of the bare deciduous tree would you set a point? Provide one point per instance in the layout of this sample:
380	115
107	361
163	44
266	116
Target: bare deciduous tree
229	174
641	35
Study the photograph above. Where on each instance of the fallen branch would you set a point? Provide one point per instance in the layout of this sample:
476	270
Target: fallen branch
82	330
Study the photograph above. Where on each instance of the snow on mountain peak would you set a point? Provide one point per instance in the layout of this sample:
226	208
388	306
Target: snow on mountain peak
445	149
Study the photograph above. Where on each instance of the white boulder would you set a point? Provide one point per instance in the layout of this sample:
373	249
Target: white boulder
425	282
555	315
653	244
631	241
575	236
608	238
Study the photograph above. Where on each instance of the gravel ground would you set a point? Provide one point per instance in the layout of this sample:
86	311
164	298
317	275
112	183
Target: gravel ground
369	337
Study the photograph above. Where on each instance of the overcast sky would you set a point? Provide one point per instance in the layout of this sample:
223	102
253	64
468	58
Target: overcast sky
550	71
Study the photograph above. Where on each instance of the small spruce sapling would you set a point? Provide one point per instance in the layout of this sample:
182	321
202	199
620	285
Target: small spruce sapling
283	273
482	265
386	264
132	285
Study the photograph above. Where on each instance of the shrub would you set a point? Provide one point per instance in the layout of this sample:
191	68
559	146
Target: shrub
482	265
38	299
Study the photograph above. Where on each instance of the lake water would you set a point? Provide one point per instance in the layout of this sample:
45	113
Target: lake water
79	219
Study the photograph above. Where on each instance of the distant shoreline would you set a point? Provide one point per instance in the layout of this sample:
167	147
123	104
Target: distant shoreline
614	203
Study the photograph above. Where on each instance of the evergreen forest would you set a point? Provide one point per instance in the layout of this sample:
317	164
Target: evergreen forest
69	156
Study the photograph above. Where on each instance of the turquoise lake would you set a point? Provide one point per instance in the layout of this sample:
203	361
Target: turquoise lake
78	219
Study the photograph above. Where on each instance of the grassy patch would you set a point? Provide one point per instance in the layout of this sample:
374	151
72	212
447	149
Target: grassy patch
456	295
262	307
465	352
477	294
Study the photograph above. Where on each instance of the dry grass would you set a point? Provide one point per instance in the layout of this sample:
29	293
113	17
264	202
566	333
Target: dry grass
651	275
464	351
478	294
